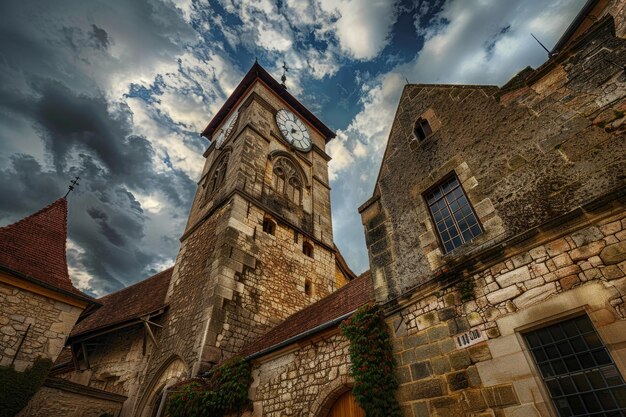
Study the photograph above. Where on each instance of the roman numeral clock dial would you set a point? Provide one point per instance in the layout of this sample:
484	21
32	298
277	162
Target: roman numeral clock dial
293	130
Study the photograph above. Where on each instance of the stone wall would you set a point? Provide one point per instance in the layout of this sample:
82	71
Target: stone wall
524	156
50	323
302	383
578	269
580	272
70	400
116	365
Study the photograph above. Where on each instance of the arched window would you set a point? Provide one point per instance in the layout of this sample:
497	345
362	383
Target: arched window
287	181
216	176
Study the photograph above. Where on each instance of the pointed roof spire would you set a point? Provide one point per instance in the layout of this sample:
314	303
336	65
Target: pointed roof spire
34	247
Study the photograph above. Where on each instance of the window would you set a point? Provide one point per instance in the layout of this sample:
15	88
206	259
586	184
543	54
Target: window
577	370
422	129
216	176
307	249
287	181
269	226
454	218
308	287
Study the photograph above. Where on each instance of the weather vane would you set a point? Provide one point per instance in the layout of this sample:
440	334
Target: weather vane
74	183
284	77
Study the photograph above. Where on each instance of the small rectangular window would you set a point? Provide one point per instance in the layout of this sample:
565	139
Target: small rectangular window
454	218
577	370
422	129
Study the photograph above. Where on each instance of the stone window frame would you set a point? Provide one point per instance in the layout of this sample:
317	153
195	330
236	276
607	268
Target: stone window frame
422	125
491	223
309	290
216	176
438	184
269	226
526	334
307	248
510	345
289	180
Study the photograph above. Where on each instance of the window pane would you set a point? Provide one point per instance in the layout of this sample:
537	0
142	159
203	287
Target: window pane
449	204
573	373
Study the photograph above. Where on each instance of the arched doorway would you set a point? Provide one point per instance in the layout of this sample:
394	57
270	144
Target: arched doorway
346	406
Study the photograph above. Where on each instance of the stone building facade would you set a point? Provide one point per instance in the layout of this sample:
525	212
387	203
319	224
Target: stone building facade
496	237
38	303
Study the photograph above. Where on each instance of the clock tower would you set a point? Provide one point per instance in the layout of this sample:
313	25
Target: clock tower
258	245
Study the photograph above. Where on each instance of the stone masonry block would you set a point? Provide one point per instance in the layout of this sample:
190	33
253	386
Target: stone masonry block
504	294
429	388
421	370
513	277
614	254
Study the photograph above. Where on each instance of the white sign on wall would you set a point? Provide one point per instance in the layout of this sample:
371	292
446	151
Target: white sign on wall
469	338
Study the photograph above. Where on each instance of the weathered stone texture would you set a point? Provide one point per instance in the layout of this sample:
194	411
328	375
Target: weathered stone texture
50	323
50	402
302	383
523	157
494	375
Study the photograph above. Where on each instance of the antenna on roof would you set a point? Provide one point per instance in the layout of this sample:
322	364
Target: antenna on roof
284	77
407	80
73	184
542	45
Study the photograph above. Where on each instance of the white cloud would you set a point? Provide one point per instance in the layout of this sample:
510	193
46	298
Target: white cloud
77	270
361	26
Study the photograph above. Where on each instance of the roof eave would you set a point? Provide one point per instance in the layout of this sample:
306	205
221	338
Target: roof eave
258	72
43	284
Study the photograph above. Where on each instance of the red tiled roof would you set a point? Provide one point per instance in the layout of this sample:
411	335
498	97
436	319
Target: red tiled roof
343	301
35	247
130	303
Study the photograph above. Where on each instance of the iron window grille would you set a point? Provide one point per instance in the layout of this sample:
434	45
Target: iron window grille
577	369
454	217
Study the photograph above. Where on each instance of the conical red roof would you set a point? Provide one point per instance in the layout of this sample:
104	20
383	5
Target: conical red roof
35	247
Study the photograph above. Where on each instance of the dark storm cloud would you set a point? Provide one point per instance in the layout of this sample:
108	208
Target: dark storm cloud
100	36
55	63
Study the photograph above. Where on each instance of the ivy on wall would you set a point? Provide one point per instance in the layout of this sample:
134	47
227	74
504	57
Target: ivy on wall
373	364
17	388
223	391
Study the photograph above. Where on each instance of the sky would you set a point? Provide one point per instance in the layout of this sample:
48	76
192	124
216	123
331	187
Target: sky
117	91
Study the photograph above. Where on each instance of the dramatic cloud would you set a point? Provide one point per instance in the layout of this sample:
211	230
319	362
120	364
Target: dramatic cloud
117	91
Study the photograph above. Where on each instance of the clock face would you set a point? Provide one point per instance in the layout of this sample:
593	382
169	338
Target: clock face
226	129
293	130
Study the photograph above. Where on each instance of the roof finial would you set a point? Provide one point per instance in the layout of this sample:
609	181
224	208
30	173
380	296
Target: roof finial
284	77
74	183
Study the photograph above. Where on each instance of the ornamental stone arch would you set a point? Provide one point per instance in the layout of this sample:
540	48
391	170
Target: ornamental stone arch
276	155
216	175
330	394
171	371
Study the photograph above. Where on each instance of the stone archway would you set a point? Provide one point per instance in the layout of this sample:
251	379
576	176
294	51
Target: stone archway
330	395
346	406
172	371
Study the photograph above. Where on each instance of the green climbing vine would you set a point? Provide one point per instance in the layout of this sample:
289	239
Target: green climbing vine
19	387
223	391
372	362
